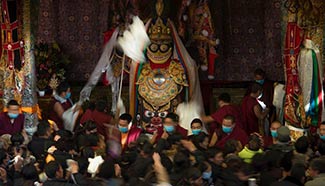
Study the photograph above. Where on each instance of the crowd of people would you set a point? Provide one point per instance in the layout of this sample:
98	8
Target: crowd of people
228	148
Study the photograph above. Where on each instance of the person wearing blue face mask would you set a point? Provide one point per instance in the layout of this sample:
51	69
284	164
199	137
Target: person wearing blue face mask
129	133
11	121
60	103
170	127
196	126
229	131
321	131
267	94
206	170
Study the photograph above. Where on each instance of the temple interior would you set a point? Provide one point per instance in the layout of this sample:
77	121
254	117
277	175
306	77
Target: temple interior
162	66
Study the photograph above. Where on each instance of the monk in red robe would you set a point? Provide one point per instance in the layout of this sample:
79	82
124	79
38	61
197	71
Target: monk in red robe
11	121
129	133
251	109
170	127
225	108
99	116
229	131
60	103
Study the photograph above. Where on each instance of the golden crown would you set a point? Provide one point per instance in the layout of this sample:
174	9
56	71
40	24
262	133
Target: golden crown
159	31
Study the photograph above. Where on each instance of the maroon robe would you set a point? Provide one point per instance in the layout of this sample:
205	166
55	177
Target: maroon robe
54	116
133	135
250	120
228	110
236	134
6	127
99	118
178	129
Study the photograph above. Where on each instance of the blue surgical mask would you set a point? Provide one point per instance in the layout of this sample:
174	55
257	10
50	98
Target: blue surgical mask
196	131
260	81
226	129
169	128
274	133
123	129
12	115
206	175
68	95
322	137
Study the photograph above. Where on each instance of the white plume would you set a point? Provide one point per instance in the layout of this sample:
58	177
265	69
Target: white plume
135	40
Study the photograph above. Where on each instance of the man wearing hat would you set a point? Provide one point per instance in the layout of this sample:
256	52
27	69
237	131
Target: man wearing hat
283	140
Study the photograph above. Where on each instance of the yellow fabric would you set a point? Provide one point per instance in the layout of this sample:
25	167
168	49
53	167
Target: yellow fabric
124	137
49	158
247	154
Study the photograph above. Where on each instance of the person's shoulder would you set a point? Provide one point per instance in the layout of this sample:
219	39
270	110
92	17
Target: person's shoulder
3	115
181	129
315	182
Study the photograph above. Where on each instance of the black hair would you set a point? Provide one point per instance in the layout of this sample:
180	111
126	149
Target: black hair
42	127
213	151
259	72
298	171
29	172
181	162
3	155
51	168
17	139
318	164
230	146
90	125
254	142
286	161
196	120
230	117
126	117
256	87
64	134
12	102
106	170
172	116
101	105
192	174
63	87
197	139
225	97
302	144
83	164
87	152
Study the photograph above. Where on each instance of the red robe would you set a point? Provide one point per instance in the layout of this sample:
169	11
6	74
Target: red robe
133	135
250	121
6	127
178	129
54	116
99	118
225	110
236	134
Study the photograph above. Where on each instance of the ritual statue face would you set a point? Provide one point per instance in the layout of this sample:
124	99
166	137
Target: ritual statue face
159	52
153	119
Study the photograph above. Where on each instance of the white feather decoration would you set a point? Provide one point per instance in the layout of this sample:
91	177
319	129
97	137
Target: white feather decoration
135	40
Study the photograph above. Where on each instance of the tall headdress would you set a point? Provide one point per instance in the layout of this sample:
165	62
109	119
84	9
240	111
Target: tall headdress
158	30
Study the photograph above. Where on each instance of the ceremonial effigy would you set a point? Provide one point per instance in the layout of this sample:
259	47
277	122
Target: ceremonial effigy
168	77
303	108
